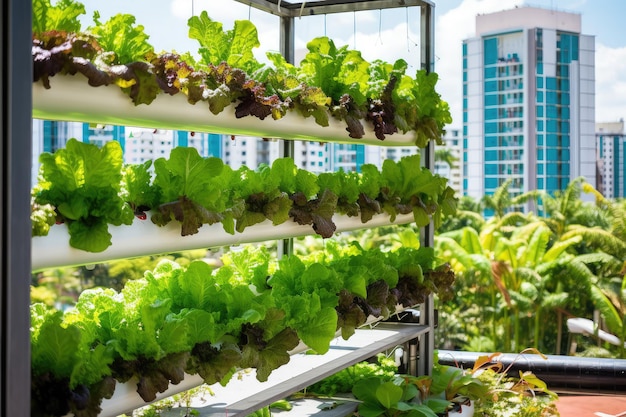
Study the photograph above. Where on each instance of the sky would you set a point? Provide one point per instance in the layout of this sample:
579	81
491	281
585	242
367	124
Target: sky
392	34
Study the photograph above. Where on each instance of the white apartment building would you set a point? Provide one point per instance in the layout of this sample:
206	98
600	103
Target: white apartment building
454	144
611	155
143	144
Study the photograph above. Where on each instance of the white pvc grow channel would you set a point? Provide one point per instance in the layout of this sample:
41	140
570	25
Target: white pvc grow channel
71	98
145	238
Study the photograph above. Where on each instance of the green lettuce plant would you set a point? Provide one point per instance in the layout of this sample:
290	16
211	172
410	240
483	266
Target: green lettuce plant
331	81
90	188
249	313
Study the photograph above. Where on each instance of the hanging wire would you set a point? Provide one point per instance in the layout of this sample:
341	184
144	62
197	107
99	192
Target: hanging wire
408	45
354	27
279	1
325	25
409	41
301	9
380	25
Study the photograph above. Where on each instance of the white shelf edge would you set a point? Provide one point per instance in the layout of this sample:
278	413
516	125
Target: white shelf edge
301	371
145	238
70	98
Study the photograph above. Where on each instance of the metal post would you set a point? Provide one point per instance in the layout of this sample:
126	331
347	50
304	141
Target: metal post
427	312
287	49
427	30
15	229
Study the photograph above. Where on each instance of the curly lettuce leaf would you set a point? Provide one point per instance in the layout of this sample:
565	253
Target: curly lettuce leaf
419	107
54	347
83	183
337	71
284	81
232	302
188	213
317	332
214	364
233	46
381	112
137	187
68	372
137	80
156	376
308	295
191	189
63	16
119	35
409	187
317	212
346	187
267	355
265	192
251	265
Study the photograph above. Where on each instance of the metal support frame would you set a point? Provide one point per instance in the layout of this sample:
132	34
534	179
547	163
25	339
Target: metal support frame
420	358
288	51
292	9
427	312
15	228
15	173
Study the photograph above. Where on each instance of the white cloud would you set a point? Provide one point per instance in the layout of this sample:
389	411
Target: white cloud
610	83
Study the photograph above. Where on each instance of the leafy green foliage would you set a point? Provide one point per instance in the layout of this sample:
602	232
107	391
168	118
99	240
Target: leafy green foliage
249	313
190	190
331	81
63	16
89	188
337	71
136	194
83	183
344	380
233	46
381	397
129	43
42	217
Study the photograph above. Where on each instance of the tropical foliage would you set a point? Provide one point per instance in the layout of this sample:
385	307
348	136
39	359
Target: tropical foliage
521	274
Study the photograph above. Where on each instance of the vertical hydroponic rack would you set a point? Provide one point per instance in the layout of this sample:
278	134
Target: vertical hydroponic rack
69	100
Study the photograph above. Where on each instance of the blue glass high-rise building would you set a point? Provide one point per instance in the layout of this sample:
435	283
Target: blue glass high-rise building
528	102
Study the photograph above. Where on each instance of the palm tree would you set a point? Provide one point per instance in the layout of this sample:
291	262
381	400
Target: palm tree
500	200
445	155
507	270
471	309
616	213
565	207
468	214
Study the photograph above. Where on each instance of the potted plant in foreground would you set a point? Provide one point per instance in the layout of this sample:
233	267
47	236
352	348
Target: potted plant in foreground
487	389
522	395
448	392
